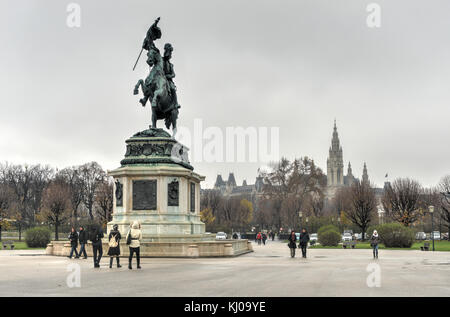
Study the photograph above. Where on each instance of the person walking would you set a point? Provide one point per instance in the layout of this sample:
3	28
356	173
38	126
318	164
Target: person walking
374	240
73	238
304	239
133	240
264	238
82	238
258	238
292	243
114	246
97	248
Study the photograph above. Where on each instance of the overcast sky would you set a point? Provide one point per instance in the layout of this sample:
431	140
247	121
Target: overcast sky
66	93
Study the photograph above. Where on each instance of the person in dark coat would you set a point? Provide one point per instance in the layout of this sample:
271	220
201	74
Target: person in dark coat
114	246
73	238
264	238
82	238
292	243
96	239
304	239
374	241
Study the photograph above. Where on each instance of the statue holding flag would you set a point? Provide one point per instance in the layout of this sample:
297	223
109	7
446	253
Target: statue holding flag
158	87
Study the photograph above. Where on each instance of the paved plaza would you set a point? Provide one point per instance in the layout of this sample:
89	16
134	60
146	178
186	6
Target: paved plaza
269	271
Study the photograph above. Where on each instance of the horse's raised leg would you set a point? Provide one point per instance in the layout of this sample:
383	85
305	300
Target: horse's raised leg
136	87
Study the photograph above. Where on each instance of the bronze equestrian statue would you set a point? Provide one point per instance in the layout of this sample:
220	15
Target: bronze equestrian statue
159	87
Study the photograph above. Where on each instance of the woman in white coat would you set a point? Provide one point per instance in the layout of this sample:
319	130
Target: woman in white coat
133	240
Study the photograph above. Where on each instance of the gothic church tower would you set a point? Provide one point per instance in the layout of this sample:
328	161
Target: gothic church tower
335	162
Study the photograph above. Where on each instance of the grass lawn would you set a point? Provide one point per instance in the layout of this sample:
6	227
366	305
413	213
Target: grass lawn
438	246
19	245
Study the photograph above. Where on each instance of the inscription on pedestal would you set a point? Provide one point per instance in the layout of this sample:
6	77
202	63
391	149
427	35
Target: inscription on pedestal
144	195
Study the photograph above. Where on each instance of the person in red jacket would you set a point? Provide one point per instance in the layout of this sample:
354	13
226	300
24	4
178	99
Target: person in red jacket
259	237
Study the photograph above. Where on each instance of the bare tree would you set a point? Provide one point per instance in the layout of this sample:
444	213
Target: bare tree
401	200
72	177
27	184
55	204
92	176
362	205
211	198
5	204
444	192
104	201
289	185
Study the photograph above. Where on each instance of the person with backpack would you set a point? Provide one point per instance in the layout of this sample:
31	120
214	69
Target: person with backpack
133	241
82	238
114	246
292	243
97	248
304	239
73	238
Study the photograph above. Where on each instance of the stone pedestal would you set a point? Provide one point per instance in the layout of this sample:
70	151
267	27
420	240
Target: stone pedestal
157	186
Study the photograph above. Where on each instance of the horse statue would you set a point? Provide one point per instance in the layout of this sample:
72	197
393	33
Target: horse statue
156	88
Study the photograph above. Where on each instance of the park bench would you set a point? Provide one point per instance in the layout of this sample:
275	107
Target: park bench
6	243
349	244
426	247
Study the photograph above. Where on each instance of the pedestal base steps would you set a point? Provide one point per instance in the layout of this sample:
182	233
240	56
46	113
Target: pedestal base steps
187	249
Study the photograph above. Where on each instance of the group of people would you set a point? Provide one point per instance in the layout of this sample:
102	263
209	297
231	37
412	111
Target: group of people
303	242
262	237
133	238
304	239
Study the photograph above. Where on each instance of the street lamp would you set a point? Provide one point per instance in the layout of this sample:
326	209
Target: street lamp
431	210
300	214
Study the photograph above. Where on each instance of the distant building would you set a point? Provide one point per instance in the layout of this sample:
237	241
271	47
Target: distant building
335	168
230	188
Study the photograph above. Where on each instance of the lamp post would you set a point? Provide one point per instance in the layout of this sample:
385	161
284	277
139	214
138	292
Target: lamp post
300	214
431	210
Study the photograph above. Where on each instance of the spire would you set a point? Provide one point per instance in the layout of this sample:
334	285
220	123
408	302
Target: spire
365	176
231	180
349	169
335	140
219	181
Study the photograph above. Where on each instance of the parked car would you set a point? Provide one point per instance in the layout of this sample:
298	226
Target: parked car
358	236
445	236
313	237
297	236
421	235
347	236
221	236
